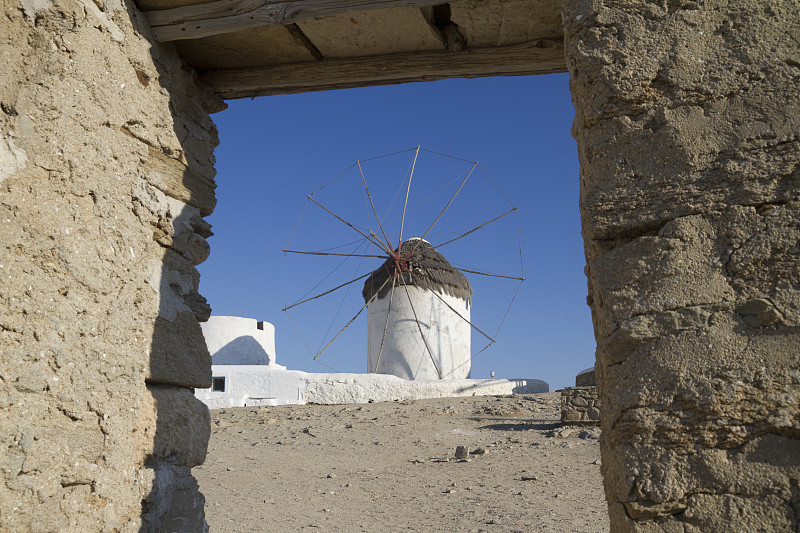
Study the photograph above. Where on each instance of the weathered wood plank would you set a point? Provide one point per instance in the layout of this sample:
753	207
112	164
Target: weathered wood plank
226	16
538	57
182	183
176	179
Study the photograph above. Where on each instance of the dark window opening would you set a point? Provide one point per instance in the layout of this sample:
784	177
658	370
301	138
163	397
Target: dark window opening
218	384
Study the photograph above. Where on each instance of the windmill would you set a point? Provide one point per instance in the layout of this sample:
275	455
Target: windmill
419	304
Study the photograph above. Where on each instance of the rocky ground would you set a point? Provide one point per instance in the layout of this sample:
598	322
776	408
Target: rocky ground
393	467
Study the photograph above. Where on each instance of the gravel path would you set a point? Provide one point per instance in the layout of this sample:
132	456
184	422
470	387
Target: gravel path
392	467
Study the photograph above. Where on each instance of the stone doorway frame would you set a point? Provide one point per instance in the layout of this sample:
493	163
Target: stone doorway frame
687	129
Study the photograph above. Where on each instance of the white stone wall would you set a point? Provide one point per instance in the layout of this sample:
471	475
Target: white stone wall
234	340
248	385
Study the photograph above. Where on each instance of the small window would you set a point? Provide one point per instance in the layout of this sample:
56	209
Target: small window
218	384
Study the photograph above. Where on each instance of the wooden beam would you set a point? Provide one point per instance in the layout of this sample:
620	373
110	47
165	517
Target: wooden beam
226	16
539	57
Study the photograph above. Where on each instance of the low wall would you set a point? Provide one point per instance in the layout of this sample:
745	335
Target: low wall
363	388
248	385
580	405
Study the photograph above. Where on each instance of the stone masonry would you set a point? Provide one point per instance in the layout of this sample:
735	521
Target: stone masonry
688	130
106	173
580	406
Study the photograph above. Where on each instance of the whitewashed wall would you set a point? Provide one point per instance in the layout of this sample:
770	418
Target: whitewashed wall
249	385
404	352
234	340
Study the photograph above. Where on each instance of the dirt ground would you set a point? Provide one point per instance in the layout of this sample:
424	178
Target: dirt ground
393	467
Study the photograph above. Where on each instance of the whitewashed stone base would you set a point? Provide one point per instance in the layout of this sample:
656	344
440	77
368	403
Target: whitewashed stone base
249	385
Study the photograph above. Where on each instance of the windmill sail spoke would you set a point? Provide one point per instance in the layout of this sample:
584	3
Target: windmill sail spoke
369	238
430	197
490	274
462	316
495	185
468	361
385	328
331	253
432	285
476	354
300	334
327	292
476	228
372	204
408	189
446	207
351	321
421	334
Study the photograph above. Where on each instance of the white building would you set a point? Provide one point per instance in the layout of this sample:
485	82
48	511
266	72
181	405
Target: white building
245	373
419	313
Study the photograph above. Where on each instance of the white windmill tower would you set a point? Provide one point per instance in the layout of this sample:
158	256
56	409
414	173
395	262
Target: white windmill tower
419	322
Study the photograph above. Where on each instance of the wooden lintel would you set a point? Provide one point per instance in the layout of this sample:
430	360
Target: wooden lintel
226	16
540	57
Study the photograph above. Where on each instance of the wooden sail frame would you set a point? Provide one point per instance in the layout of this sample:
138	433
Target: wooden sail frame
384	249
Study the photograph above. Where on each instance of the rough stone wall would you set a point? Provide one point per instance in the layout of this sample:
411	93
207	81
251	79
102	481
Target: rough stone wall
106	169
688	130
580	405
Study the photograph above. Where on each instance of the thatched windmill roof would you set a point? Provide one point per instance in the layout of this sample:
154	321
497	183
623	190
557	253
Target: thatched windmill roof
427	268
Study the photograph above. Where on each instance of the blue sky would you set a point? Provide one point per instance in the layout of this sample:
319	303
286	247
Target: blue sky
276	150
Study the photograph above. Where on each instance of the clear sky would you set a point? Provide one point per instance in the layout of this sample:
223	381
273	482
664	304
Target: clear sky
276	150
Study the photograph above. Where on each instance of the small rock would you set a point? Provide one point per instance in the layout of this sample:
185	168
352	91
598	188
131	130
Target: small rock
596	462
331	476
529	478
462	452
478	451
593	433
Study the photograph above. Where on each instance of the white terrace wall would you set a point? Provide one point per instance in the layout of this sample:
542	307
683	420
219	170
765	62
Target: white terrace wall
106	169
688	130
